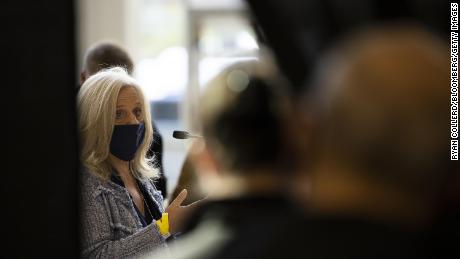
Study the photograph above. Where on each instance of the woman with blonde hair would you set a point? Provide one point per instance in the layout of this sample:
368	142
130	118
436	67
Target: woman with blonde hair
122	212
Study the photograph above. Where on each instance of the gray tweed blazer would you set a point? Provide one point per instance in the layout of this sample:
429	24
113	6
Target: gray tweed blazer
111	227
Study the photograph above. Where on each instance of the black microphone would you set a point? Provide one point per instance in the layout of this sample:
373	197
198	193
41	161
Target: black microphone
178	134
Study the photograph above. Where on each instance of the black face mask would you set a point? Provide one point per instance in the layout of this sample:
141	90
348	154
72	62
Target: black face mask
126	139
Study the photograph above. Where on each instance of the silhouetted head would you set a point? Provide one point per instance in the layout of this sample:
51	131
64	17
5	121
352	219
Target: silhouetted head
105	55
242	118
383	100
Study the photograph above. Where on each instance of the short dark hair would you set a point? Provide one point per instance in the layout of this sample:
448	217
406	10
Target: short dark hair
246	131
106	55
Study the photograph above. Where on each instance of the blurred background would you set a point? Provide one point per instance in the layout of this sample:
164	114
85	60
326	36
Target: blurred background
177	46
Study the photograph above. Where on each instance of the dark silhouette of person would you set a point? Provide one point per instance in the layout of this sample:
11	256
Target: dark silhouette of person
380	109
241	166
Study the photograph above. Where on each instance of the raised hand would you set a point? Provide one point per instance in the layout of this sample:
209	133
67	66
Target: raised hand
178	214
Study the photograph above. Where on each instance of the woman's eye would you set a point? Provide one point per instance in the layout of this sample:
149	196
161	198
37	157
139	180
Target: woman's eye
119	114
138	112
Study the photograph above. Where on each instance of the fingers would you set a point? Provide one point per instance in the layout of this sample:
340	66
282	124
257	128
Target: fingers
179	199
198	202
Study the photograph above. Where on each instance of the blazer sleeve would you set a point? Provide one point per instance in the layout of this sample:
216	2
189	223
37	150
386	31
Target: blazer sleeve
97	236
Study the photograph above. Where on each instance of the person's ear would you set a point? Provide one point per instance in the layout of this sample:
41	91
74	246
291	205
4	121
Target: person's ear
82	77
204	159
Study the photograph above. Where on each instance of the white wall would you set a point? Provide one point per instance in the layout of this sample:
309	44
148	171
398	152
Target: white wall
113	20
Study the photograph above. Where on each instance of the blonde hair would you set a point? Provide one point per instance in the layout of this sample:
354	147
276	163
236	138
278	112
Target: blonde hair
96	104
